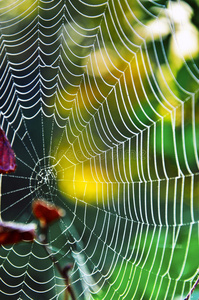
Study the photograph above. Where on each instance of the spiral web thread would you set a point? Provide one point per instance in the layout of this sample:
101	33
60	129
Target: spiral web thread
102	125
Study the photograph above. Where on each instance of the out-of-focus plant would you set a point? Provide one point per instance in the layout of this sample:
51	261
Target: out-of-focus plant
12	233
47	214
44	212
7	155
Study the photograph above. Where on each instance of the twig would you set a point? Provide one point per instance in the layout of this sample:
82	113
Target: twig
193	288
63	272
66	278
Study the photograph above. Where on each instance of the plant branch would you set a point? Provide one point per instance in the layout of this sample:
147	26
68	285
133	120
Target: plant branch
63	272
66	278
193	288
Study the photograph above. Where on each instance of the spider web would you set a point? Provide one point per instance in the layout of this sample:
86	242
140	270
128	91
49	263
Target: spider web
99	100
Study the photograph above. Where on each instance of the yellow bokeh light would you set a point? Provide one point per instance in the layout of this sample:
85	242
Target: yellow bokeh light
78	183
19	8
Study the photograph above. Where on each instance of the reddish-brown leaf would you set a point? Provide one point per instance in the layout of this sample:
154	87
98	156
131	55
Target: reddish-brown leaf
45	212
7	156
11	232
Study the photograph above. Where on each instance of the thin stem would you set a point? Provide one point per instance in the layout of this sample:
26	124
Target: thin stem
66	277
63	272
193	288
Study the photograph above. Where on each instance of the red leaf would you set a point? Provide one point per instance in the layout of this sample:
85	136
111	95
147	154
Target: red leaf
7	156
46	213
11	233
